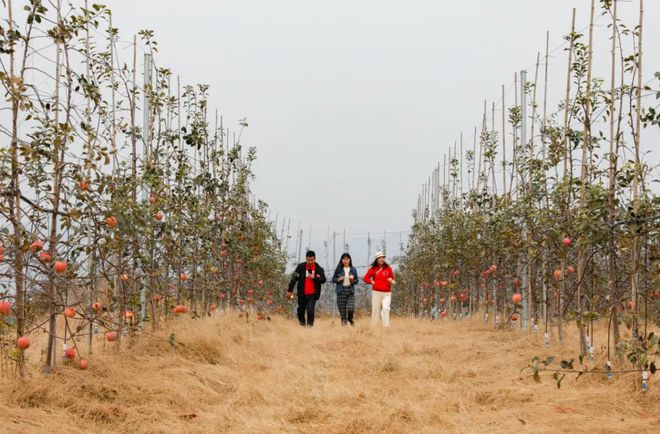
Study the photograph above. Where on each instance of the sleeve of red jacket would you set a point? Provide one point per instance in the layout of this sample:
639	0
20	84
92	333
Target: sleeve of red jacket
368	276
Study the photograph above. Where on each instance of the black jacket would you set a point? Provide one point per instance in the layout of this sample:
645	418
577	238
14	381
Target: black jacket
299	276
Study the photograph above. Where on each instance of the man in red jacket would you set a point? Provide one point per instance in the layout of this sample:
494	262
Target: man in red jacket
381	277
310	276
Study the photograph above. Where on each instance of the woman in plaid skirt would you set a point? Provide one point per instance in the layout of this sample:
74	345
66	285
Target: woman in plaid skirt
345	278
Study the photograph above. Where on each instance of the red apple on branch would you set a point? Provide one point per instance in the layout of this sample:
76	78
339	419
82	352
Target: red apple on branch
45	257
70	353
111	221
60	267
23	342
36	246
5	308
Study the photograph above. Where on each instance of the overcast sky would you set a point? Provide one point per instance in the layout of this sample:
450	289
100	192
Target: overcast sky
352	103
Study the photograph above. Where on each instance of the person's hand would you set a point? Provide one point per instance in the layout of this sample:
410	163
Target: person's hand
350	276
389	279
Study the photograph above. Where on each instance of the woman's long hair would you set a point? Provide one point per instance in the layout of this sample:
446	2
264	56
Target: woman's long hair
340	266
375	264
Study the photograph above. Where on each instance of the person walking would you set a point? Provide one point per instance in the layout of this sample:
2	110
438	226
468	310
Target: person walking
345	278
309	276
381	277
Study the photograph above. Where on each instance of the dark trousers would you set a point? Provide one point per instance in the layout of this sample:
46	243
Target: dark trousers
346	305
306	304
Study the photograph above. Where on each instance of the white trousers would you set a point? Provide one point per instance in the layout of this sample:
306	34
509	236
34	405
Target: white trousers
380	307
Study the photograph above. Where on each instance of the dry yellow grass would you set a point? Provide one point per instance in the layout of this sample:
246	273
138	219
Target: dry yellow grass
273	376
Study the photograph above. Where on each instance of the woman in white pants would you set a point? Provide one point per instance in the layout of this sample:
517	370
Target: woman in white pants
381	277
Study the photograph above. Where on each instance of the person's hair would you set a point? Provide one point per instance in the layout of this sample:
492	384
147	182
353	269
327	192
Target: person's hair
375	263
310	254
340	265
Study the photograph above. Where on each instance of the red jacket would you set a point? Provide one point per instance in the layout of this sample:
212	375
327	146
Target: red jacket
380	276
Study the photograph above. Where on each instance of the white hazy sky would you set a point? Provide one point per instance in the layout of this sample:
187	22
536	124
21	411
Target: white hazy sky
352	103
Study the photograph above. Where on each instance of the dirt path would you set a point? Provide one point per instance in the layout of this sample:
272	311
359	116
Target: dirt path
273	376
